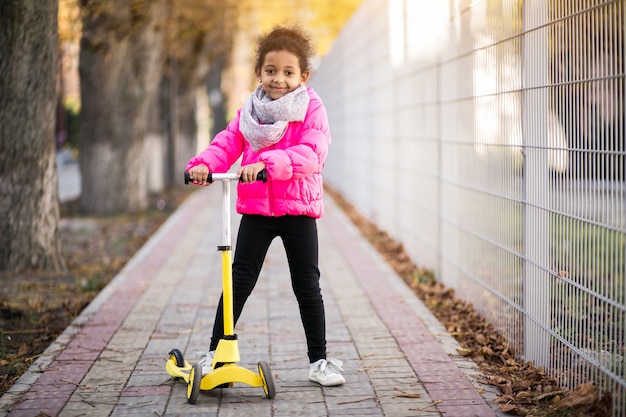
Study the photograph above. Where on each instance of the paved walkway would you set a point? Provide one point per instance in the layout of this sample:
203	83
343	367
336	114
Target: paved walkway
398	360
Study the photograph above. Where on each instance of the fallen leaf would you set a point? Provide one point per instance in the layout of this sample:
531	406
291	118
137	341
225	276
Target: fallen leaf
464	351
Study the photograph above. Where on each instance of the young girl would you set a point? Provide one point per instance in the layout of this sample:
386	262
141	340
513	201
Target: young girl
282	128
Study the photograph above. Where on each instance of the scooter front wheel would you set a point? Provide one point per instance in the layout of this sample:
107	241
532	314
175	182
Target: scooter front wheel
193	386
266	377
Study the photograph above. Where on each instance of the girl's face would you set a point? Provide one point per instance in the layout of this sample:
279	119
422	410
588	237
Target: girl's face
281	74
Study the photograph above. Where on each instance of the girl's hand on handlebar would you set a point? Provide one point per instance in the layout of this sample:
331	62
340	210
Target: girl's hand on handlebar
248	173
199	175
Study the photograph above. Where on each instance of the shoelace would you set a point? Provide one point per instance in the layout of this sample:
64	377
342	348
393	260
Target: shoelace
332	365
205	357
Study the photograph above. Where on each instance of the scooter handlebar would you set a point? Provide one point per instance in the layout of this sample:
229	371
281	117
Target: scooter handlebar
213	176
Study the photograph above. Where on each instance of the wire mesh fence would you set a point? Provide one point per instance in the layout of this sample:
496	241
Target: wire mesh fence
496	130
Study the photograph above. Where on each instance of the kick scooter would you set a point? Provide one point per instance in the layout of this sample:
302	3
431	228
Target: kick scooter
224	369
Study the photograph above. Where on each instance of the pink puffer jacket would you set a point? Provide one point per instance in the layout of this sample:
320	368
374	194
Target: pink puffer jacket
294	165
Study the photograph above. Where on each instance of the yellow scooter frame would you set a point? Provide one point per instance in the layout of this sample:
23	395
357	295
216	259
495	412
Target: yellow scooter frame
224	369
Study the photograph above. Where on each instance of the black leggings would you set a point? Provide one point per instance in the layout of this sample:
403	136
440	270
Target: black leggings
299	236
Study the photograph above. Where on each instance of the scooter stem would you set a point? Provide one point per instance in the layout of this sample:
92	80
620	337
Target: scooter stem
227	272
226	240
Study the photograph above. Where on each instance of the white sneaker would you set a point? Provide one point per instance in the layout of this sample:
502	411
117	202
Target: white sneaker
327	372
206	361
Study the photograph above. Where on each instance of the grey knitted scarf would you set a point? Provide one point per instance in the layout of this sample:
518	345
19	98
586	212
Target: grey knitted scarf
263	121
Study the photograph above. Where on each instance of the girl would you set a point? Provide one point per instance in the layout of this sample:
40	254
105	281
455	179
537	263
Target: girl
282	128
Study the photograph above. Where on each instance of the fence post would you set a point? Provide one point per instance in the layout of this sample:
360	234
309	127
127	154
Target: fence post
535	221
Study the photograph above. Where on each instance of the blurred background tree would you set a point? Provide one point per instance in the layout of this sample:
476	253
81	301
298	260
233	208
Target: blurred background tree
121	54
29	233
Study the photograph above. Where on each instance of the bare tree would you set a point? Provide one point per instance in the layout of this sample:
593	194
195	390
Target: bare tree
29	232
198	43
120	69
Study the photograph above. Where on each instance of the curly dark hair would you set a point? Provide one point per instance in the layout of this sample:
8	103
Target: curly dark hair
292	39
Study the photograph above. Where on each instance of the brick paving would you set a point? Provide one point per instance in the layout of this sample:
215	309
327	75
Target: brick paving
398	360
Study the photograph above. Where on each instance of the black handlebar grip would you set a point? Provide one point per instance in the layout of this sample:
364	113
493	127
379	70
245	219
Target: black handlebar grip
261	176
188	180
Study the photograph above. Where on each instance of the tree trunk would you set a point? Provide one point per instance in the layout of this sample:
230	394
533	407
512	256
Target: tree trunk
187	129
178	107
29	225
120	67
217	97
169	115
154	148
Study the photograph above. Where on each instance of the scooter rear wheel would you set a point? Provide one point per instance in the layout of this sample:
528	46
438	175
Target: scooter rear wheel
178	357
268	381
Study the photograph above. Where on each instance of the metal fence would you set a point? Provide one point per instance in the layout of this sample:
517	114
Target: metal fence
489	137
